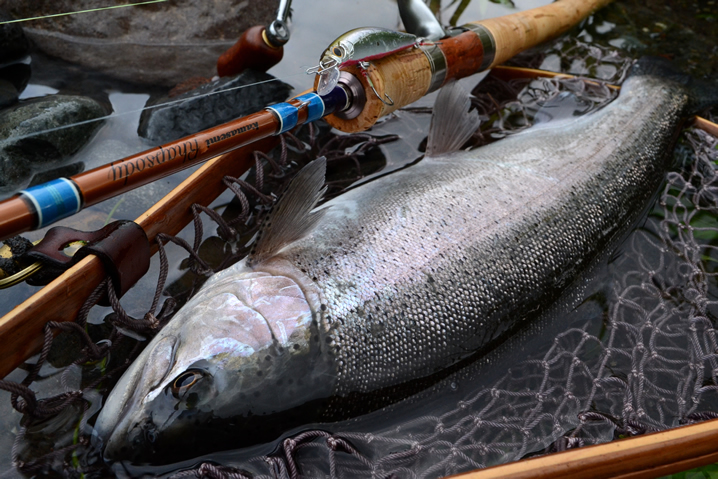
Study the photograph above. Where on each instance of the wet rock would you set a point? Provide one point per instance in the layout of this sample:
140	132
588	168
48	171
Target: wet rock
23	151
60	172
8	93
13	43
200	111
162	43
188	85
18	74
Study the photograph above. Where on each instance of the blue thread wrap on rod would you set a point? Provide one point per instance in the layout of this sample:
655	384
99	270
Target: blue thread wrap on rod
53	200
317	107
314	106
288	115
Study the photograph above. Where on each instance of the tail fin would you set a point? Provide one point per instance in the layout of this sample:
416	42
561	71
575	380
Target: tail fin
703	94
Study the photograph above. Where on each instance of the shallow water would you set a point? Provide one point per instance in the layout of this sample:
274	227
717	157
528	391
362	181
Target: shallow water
315	23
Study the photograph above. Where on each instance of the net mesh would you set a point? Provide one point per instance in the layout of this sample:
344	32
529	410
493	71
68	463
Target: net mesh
631	348
638	355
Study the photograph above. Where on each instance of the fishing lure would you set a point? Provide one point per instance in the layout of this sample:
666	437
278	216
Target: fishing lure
359	46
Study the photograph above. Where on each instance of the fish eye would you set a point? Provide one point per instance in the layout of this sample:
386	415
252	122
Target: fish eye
185	381
338	51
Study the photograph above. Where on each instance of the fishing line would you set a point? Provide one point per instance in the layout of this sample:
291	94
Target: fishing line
139	110
81	11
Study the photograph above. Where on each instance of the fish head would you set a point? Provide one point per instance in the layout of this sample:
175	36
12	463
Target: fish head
219	361
163	395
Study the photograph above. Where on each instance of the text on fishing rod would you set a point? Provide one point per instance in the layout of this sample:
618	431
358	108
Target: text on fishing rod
230	134
185	151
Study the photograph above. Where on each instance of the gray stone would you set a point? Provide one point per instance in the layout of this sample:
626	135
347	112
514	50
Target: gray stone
16	73
24	152
8	93
162	43
196	111
59	172
13	43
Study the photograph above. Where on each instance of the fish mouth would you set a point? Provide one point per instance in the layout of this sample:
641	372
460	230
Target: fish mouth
132	443
123	412
149	442
143	438
135	433
115	434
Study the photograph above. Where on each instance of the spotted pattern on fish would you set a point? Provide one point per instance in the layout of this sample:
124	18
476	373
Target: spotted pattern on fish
421	269
398	278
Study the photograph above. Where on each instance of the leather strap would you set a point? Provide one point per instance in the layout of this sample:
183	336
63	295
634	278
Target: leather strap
122	246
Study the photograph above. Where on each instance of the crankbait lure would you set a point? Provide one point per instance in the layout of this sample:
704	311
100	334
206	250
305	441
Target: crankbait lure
359	46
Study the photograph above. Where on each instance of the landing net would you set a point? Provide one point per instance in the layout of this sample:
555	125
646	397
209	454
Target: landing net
629	349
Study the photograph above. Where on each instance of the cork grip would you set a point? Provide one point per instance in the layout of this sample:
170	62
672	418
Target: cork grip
519	31
405	77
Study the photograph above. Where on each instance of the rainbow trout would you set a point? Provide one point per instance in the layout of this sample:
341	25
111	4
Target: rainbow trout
401	277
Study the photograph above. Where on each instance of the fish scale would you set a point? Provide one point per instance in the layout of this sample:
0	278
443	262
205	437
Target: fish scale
399	278
408	291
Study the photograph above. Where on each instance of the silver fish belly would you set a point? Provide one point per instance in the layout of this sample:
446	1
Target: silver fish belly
401	277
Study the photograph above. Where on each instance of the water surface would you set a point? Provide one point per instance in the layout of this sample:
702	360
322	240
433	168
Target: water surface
682	30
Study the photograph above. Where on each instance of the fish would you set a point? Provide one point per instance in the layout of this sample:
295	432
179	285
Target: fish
399	278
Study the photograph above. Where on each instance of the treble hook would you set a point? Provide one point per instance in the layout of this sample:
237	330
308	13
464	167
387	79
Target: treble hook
364	66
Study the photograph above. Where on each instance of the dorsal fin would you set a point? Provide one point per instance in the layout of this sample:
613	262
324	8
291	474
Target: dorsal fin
291	217
452	124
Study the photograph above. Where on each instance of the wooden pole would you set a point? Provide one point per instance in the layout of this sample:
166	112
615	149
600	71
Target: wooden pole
640	457
705	125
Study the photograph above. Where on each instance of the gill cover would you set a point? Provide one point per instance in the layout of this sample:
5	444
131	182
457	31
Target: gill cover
220	357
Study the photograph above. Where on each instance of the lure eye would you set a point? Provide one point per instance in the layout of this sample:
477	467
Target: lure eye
338	51
185	381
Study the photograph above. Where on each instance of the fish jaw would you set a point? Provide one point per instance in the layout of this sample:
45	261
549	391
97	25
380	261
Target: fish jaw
219	358
115	419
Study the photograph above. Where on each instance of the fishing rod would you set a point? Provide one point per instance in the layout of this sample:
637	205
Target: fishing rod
21	329
355	104
42	205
